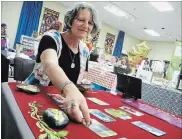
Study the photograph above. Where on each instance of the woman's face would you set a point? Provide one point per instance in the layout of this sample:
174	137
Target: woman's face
3	29
83	24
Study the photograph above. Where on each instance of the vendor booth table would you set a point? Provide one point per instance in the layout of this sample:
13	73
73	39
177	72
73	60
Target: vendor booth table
17	122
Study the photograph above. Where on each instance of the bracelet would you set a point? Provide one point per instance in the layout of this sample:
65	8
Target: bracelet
65	84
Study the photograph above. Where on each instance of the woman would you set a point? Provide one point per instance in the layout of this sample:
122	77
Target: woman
5	43
62	59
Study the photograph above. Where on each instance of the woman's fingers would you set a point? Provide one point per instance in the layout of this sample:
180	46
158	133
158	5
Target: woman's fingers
76	107
85	112
74	113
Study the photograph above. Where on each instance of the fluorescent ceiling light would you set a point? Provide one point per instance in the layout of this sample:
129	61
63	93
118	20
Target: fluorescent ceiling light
114	10
133	19
151	32
162	6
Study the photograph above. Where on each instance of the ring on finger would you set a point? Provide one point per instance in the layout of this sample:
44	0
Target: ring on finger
72	106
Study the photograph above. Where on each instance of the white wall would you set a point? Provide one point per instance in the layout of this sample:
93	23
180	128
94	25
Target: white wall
161	50
10	14
129	42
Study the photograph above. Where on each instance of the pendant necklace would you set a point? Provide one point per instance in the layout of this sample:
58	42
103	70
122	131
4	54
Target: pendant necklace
72	60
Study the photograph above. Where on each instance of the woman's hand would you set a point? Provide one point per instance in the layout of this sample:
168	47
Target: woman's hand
71	93
75	105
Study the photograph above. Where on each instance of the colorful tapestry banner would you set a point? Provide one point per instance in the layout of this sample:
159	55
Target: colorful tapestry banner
95	39
91	41
49	17
109	43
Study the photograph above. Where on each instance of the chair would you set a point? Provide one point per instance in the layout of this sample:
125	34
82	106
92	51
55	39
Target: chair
22	68
4	67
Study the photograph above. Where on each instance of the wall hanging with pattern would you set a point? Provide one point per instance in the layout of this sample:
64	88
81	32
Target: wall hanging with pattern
95	39
49	17
109	43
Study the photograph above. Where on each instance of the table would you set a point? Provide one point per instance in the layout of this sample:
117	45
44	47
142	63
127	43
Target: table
15	104
164	98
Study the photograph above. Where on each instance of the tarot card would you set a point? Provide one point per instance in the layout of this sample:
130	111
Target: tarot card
97	101
148	128
56	98
118	113
132	111
101	129
102	116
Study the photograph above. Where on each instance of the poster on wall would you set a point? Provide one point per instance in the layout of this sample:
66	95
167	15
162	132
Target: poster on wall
109	43
95	39
91	41
48	17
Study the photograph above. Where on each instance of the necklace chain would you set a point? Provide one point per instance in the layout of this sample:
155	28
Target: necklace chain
72	59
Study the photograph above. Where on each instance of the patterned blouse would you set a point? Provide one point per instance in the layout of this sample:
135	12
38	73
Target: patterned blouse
38	76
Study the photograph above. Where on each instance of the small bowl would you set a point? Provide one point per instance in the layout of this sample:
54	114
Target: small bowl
84	88
29	89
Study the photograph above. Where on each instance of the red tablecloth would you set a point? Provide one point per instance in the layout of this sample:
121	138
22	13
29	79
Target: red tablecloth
124	128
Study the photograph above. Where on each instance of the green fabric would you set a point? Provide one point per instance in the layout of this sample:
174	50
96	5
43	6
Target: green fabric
174	63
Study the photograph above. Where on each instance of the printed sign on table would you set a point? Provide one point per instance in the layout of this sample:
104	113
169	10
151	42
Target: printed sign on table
105	79
146	76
